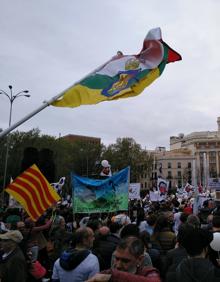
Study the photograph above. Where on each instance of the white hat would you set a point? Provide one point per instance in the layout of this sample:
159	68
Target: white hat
105	163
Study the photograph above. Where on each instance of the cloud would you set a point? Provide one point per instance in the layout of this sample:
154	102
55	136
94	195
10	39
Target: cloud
48	45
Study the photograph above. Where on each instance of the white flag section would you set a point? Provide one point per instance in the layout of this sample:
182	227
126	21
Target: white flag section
134	191
59	185
162	186
13	203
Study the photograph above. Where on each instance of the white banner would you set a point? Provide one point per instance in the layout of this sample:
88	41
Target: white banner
134	191
214	183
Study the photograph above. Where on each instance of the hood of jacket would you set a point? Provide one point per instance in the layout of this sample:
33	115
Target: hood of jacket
70	259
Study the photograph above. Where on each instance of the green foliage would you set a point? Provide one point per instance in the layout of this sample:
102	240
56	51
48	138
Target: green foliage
79	157
126	152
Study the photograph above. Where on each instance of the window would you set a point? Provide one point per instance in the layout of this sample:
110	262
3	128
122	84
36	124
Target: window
178	165
169	165
169	174
189	165
179	174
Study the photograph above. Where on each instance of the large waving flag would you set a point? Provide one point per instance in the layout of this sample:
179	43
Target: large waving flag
123	76
95	195
32	190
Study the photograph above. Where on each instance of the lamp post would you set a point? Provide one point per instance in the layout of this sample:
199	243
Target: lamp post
11	98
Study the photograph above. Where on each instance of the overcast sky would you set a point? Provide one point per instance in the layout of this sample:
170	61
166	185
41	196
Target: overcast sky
47	45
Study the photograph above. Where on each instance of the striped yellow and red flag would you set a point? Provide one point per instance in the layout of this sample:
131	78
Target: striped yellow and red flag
32	190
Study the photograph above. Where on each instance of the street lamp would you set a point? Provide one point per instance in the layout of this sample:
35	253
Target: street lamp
11	98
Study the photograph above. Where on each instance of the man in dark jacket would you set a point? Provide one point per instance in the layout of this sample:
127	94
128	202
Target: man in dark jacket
196	267
12	265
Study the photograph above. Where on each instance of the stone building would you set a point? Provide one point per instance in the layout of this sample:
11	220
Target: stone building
192	158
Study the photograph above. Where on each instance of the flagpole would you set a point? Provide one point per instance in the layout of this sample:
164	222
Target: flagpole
48	103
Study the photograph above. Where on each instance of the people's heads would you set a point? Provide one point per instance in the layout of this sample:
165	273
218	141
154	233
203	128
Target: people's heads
94	224
129	255
161	223
183	217
151	219
114	227
129	230
84	237
193	220
9	240
104	231
195	240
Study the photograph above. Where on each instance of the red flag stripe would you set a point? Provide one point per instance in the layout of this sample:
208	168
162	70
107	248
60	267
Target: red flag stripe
19	197
26	198
38	187
33	193
43	182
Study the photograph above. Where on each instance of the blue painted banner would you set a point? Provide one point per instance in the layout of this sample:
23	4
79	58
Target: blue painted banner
95	195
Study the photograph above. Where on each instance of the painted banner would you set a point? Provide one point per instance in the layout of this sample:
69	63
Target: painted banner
95	195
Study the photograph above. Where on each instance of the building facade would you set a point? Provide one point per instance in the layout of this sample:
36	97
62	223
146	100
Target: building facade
192	158
205	147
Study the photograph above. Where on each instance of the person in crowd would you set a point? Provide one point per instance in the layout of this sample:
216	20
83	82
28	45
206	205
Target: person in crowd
104	246
94	224
151	221
153	253
204	212
128	264
141	220
77	264
188	208
133	230
59	238
163	237
193	220
176	255
213	255
13	266
196	267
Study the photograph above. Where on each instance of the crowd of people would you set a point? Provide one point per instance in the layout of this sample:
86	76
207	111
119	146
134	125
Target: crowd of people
152	242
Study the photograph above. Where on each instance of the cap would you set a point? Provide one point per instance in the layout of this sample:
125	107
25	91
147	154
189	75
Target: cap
13	235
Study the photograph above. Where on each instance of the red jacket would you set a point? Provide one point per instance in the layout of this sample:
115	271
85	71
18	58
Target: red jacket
146	274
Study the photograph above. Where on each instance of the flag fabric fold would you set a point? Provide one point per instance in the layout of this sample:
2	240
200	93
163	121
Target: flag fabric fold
32	190
123	76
